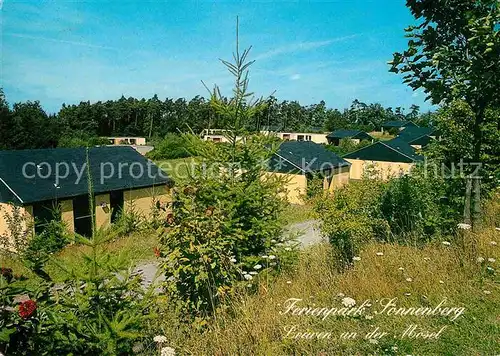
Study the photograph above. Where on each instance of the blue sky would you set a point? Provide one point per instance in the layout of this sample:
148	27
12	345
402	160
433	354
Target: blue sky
68	51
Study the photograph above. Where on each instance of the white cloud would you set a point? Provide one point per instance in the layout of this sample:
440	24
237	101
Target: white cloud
301	47
295	76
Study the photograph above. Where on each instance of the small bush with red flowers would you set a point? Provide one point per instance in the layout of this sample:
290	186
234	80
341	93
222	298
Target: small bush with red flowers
98	310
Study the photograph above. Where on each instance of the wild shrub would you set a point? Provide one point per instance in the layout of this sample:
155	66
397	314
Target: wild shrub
347	146
314	185
410	205
19	226
53	239
129	220
221	226
224	229
350	217
171	147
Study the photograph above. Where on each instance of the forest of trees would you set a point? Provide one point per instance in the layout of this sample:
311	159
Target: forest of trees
27	125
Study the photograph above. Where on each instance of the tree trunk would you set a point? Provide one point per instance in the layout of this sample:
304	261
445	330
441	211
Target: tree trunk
468	191
476	158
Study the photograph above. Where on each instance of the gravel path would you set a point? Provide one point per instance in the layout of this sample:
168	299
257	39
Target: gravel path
308	231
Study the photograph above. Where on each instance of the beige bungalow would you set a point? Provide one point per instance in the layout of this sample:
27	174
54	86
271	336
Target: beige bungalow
299	162
216	135
47	184
387	158
300	136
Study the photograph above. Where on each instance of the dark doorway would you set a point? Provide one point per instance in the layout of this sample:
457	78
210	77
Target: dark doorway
116	202
44	213
82	215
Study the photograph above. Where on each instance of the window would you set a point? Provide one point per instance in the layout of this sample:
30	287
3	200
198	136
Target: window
286	137
300	137
133	141
308	137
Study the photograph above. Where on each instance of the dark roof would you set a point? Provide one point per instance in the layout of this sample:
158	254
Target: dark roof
395	150
357	134
304	157
398	124
410	133
422	141
28	176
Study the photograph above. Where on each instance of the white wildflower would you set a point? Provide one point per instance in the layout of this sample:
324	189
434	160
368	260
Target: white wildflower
248	277
480	260
407	294
356	258
491	260
489	269
379	253
368	317
273	241
348	302
401	268
441	281
135	349
253	273
497	228
493	243
486	292
409	279
167	351
288	282
257	267
249	285
373	341
464	226
341	295
446	243
233	260
272	264
272	257
265	256
160	339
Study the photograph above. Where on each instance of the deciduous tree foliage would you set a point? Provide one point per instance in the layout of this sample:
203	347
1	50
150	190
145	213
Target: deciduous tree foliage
454	53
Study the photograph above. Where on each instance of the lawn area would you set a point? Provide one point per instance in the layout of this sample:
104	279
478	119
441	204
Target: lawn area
297	213
178	169
125	252
381	136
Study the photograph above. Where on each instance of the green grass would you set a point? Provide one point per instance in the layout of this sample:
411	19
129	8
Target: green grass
381	136
178	169
125	252
297	213
254	323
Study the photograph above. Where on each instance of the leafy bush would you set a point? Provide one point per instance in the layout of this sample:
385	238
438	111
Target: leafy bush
350	218
75	140
221	226
410	205
347	146
53	239
97	310
224	225
129	220
171	147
